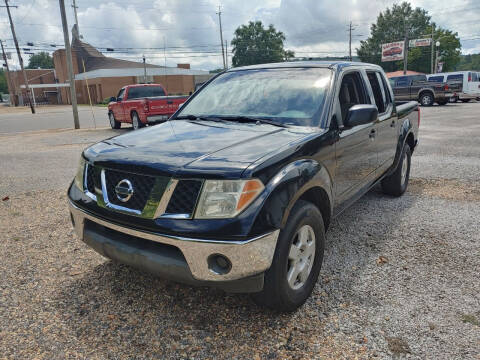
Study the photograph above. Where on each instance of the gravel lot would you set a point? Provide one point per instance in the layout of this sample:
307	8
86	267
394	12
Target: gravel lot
400	277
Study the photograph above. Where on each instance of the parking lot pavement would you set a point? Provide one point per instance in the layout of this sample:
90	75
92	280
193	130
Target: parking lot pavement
400	277
20	119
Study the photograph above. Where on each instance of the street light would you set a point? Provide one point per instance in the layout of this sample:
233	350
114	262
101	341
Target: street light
437	45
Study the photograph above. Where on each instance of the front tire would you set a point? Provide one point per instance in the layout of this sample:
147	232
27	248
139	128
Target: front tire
426	99
297	260
397	183
113	123
136	123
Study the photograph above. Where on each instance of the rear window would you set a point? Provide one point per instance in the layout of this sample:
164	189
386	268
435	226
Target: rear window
145	91
437	79
455	77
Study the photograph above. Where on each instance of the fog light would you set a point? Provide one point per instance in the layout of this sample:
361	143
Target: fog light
219	264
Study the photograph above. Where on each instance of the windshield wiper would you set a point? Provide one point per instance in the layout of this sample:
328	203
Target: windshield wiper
242	118
195	117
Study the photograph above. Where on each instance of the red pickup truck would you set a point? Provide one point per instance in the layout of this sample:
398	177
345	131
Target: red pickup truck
142	104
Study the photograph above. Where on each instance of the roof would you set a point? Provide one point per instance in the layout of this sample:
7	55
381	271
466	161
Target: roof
400	73
312	63
137	71
94	59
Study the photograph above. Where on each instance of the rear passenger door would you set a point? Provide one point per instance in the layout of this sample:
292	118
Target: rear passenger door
356	154
402	88
387	127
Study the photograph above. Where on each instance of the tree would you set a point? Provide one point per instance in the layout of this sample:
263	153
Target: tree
42	60
253	44
3	82
390	27
469	62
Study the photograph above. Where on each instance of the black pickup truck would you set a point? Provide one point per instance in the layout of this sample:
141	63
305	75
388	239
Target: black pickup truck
418	88
238	188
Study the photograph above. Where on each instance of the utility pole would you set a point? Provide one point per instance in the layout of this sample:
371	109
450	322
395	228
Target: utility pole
405	50
221	34
144	70
68	51
226	54
433	44
75	7
10	86
350	41
20	59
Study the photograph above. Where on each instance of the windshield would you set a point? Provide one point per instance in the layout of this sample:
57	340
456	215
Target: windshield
289	96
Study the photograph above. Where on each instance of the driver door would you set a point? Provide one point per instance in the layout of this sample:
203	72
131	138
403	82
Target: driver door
117	107
356	153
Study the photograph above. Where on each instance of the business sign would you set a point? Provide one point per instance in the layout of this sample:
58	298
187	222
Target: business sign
420	42
393	51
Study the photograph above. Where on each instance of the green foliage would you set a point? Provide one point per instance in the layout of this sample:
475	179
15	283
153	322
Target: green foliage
253	44
42	60
469	62
3	82
390	27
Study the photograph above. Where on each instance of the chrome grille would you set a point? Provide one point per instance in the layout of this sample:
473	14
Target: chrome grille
142	186
184	198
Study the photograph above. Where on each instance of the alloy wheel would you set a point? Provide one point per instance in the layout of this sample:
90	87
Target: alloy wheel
301	257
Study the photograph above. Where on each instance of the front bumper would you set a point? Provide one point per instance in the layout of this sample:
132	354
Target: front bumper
178	258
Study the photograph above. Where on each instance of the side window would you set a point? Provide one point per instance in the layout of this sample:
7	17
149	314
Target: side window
352	92
474	77
377	91
402	81
120	94
437	79
455	77
386	90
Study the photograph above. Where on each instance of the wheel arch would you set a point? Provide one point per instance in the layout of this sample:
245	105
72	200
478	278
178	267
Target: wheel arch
303	179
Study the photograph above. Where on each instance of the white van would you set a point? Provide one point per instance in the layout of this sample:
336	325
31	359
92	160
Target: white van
470	80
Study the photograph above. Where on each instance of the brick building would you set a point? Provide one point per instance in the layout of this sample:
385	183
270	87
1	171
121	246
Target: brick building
101	77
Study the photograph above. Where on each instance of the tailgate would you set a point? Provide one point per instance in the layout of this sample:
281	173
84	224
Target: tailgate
166	105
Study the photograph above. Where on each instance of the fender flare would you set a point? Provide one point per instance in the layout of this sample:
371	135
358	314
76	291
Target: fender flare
405	130
290	184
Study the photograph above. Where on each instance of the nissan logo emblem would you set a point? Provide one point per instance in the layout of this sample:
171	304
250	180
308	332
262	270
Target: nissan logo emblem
124	190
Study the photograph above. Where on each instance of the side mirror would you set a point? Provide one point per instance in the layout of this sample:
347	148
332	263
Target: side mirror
361	114
113	99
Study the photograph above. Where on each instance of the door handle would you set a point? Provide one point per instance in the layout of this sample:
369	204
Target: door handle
392	123
372	134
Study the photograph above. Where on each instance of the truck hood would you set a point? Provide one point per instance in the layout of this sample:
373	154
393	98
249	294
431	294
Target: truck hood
186	148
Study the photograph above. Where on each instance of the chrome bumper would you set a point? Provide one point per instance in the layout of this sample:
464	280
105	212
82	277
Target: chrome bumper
249	257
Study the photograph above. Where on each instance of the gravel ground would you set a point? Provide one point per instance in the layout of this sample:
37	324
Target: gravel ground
399	281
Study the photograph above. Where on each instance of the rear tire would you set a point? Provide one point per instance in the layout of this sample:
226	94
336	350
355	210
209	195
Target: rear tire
297	260
397	183
465	100
426	99
113	123
136	123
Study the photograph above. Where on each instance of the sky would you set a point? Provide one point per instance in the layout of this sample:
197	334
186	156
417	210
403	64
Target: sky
187	31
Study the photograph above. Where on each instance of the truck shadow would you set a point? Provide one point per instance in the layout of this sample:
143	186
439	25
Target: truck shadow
131	305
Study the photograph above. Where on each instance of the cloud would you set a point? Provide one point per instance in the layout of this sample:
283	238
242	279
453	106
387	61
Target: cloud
189	29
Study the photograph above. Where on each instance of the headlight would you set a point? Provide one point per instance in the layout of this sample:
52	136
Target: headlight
226	198
80	173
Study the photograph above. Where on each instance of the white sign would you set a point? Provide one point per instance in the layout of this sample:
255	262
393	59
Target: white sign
439	67
420	42
393	51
